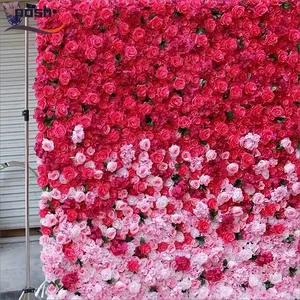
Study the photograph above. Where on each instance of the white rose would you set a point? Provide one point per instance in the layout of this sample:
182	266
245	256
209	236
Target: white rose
134	287
254	280
162	202
106	274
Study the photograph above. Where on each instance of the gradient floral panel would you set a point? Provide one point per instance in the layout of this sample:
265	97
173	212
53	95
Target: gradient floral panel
169	147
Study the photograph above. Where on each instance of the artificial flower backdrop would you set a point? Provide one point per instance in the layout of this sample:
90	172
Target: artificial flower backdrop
169	147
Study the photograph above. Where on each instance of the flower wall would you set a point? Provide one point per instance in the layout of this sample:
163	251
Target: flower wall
169	147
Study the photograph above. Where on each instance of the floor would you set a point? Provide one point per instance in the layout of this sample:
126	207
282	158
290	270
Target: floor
13	267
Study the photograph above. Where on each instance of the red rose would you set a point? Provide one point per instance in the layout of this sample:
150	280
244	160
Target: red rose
161	73
250	88
46	230
92	98
236	92
133	265
69	253
106	14
145	249
64	77
109	88
203	225
260	10
212	203
213	275
278	228
171	31
44	212
138	34
226	19
91	53
71	215
69	173
201	40
130	52
238	11
118	247
269	210
210	25
204	134
221	86
227	237
294	35
157	157
264	258
42	181
156	23
179	84
183	171
162	247
103	190
277	111
134	122
247	160
69	280
59	131
182	263
73	93
97	41
71	46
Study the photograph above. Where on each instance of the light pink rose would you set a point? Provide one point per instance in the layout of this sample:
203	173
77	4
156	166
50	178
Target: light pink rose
47	145
174	151
79	158
258	198
112	166
111	233
195	184
145	144
290	213
211	155
232	168
53	175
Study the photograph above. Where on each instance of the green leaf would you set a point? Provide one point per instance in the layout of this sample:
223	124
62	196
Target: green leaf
200	30
279	147
129	239
202	278
200	240
48	121
289	239
274	56
152	15
229	115
268	284
149	121
280	119
111	281
85	107
163	44
175	178
79	262
105	239
142	241
183	131
143	216
238	183
213	213
298	145
254	257
216	13
119	57
225	265
283	182
292	271
240	42
143	20
153	289
286	5
177	14
202	82
238	236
